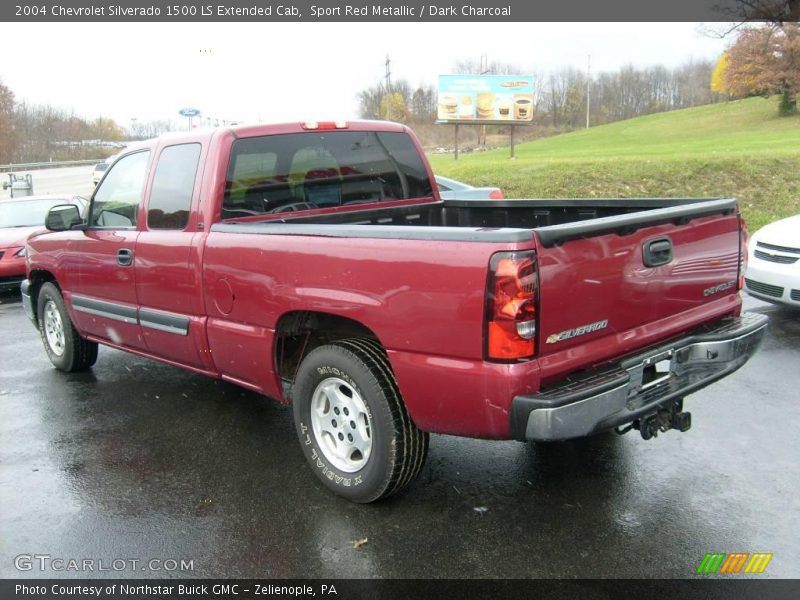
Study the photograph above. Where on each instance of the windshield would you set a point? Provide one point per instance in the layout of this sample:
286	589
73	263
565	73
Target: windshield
26	214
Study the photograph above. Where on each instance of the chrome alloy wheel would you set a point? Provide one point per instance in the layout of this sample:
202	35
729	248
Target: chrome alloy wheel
53	328
341	425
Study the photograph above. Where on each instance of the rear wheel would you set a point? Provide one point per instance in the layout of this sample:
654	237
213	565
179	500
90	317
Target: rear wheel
353	427
65	348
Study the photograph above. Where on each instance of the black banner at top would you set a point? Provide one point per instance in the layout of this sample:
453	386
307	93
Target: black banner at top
282	11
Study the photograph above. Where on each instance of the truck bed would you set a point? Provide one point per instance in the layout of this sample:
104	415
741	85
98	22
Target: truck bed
555	220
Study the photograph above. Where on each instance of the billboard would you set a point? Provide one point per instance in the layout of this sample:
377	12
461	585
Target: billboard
485	99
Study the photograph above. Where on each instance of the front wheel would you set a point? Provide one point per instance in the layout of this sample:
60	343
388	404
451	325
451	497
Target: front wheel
353	427
65	348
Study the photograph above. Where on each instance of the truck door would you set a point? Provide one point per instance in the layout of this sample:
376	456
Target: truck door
103	295
168	260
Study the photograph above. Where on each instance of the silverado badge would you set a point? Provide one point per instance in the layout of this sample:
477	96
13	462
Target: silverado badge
582	330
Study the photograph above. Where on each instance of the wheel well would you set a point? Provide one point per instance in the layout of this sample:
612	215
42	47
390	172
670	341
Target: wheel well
37	279
299	332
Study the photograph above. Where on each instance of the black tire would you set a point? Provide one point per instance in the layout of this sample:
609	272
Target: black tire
68	351
358	366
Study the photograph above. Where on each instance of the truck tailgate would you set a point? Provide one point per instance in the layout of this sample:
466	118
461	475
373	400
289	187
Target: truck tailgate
609	283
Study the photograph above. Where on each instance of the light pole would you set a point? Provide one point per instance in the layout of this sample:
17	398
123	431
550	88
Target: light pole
588	87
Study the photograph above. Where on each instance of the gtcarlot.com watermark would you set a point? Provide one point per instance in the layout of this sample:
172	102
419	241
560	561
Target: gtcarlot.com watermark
46	563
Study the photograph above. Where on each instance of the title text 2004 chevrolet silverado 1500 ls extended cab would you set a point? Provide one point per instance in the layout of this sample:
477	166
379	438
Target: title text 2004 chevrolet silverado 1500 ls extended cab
316	264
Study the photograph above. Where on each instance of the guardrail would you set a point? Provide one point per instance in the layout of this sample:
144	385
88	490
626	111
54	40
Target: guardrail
48	165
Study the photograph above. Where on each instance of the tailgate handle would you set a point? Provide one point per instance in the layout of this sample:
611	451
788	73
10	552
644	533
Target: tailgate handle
657	252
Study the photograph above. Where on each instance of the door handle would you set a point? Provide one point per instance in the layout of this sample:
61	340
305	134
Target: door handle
657	252
125	257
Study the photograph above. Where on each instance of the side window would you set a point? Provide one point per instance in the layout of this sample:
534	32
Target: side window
116	201
251	175
173	186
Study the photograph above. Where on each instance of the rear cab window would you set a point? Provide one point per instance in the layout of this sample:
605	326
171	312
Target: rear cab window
322	169
173	187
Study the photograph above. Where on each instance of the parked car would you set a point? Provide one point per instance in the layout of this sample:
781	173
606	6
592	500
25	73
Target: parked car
450	189
19	217
773	266
99	170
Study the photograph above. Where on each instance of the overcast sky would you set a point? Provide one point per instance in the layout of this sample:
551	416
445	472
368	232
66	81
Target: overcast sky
297	71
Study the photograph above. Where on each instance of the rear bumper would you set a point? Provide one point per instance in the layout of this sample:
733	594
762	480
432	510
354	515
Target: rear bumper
621	393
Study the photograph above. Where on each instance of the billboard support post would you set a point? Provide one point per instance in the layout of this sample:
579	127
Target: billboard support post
512	142
455	154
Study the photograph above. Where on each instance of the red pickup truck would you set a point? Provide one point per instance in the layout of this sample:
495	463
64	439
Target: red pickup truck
316	264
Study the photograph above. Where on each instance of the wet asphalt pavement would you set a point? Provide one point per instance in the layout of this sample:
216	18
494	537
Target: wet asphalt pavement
139	460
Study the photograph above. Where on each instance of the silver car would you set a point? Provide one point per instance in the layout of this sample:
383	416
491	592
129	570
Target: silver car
450	189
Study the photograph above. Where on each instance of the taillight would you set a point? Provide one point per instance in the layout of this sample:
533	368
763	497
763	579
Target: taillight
744	238
496	194
511	306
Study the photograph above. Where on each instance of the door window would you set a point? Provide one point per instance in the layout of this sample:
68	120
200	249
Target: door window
116	202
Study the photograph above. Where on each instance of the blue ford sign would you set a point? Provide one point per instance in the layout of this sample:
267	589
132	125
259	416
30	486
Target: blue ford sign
189	112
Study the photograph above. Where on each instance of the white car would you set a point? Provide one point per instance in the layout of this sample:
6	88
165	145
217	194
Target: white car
99	171
773	263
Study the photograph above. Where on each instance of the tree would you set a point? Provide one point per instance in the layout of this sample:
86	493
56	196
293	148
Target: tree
423	103
470	66
403	104
393	108
369	102
7	131
142	130
720	73
106	129
775	12
766	60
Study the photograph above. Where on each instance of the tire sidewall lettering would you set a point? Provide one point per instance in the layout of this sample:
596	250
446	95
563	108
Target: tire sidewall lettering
318	461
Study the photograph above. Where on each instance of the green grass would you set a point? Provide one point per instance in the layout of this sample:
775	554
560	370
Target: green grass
741	149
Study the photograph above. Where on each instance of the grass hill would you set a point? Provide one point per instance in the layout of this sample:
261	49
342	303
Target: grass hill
741	149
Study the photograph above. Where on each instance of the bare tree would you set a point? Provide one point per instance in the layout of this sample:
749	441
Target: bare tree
423	103
369	102
142	130
556	96
469	66
7	131
775	12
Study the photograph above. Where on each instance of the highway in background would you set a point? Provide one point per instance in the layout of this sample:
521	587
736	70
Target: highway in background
68	180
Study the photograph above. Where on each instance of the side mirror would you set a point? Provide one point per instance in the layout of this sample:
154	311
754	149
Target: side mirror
63	217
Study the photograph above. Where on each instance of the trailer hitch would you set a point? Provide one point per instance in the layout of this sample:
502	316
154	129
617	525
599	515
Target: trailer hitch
662	420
